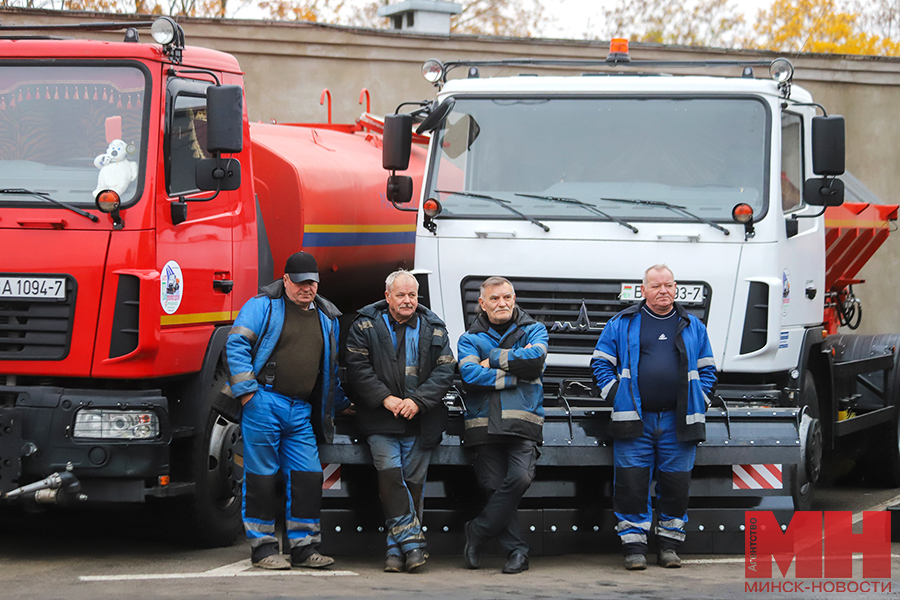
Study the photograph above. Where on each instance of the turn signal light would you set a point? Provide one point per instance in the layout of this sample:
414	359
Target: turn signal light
432	208
107	201
742	213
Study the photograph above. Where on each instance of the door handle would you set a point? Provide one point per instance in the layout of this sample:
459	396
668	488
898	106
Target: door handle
224	285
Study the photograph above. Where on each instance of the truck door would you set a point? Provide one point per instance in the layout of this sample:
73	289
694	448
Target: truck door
194	257
802	258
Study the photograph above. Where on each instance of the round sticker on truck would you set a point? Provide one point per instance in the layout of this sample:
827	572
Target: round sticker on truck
171	287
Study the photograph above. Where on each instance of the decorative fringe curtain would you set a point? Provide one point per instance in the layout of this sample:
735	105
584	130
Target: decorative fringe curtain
104	93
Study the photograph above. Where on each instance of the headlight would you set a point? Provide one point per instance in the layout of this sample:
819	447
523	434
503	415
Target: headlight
116	424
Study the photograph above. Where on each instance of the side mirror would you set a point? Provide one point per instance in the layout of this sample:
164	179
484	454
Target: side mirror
397	142
224	119
823	192
399	189
828	145
222	174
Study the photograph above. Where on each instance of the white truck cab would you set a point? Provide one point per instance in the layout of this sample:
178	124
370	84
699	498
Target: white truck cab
571	187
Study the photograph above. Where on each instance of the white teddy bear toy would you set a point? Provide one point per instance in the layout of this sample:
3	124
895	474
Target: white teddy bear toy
116	171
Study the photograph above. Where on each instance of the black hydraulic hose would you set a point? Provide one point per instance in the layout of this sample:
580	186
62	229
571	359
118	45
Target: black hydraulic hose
848	310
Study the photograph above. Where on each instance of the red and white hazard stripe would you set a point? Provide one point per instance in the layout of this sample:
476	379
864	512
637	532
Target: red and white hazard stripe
332	476
756	477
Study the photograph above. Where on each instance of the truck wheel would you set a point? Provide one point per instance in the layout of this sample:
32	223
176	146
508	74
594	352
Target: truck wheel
880	464
806	473
889	450
883	463
214	511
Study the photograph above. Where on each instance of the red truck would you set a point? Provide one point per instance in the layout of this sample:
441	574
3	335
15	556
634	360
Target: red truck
139	210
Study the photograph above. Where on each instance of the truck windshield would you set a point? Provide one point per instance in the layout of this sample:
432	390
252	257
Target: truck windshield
703	154
57	130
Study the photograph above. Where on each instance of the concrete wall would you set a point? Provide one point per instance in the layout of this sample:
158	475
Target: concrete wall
287	66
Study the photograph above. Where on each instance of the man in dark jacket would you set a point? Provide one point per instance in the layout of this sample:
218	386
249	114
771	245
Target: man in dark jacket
501	360
399	366
282	356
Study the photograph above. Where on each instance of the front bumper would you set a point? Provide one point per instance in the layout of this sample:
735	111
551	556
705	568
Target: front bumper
36	440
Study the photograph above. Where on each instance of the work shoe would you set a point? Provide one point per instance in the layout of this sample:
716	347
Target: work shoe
275	562
393	564
667	559
635	562
415	558
471	552
314	561
517	563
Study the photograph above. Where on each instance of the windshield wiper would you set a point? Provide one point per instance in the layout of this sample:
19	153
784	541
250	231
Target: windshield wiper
498	202
674	208
586	205
46	196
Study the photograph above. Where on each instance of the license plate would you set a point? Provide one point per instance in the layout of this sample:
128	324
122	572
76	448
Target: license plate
685	294
45	288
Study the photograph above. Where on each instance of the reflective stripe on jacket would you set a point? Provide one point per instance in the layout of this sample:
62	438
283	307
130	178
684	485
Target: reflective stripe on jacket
506	398
253	338
373	374
615	368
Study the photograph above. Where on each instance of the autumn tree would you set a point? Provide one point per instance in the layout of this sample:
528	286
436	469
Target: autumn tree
510	18
698	23
302	10
881	17
817	26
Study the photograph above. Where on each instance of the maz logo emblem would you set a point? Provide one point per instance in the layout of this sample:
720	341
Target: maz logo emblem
582	323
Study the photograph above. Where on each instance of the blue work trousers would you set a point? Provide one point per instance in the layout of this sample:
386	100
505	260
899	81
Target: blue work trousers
279	442
402	466
658	454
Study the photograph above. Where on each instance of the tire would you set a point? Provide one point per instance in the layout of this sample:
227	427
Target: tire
213	512
887	437
880	463
805	475
886	455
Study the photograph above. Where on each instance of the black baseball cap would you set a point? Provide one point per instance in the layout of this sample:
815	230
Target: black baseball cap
301	266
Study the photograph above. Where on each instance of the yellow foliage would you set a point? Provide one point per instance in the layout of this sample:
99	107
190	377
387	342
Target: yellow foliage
817	26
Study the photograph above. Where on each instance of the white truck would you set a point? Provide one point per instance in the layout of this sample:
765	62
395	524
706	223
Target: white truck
572	186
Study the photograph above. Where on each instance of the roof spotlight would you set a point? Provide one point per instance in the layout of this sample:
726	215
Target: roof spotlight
163	31
433	70
781	70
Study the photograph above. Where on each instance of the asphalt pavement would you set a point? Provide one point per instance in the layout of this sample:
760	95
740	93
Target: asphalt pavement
120	553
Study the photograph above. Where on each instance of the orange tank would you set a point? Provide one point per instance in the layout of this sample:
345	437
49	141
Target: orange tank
321	189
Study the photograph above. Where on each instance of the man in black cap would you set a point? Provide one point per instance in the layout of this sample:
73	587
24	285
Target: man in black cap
282	356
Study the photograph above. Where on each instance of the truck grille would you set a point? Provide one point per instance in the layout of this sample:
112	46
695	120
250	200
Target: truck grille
37	329
558	303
